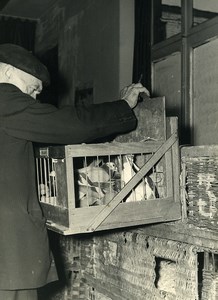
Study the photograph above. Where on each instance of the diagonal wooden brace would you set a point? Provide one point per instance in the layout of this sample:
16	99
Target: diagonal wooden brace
106	211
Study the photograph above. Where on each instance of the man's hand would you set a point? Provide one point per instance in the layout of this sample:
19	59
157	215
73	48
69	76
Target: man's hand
131	93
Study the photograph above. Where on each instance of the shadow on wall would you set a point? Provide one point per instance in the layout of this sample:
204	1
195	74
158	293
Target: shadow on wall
50	94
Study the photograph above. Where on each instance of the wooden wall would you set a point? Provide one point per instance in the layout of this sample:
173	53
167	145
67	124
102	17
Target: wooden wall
205	86
95	46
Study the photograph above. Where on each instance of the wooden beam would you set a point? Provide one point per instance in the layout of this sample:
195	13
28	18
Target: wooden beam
186	76
203	32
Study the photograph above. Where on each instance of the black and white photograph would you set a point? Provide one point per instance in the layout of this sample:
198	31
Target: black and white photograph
108	150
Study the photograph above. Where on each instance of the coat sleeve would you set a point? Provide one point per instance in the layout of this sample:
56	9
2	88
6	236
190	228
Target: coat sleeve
44	123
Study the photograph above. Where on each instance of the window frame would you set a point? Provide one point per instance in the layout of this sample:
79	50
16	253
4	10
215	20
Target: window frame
184	42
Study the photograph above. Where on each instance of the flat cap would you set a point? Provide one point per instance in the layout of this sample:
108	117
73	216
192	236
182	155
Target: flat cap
24	60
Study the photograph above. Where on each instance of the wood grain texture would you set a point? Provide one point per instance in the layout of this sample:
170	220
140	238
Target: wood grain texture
151	117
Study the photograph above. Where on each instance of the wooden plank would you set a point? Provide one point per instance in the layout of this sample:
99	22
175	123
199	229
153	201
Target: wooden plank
150	114
175	161
56	214
50	151
186	92
196	151
169	173
97	220
202	33
70	182
168	161
61	182
125	215
178	231
150	213
114	148
183	232
166	47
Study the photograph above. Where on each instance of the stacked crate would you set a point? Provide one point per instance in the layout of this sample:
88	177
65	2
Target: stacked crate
137	267
199	186
200	173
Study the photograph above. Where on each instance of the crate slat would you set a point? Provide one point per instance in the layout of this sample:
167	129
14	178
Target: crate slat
125	215
114	148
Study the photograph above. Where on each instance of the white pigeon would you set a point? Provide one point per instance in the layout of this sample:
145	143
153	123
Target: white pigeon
145	189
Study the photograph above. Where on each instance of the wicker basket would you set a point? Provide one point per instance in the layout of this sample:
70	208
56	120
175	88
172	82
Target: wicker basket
200	166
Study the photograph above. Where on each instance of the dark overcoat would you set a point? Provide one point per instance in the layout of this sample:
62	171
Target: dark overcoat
25	258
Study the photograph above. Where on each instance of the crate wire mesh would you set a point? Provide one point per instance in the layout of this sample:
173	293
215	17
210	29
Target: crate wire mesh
46	175
98	179
82	181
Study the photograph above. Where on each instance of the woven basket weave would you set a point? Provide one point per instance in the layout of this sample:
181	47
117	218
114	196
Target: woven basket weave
202	190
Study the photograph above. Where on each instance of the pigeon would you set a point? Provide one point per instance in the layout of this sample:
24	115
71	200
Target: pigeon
145	189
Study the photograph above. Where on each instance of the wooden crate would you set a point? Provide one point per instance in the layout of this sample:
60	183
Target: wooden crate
200	185
73	202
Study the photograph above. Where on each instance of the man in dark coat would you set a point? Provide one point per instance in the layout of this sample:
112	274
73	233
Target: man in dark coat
25	259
